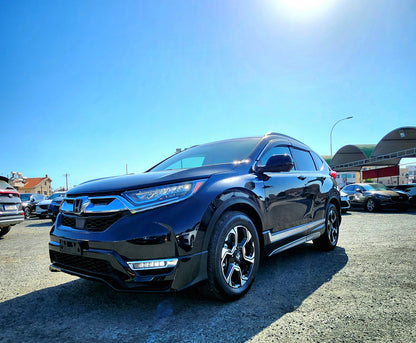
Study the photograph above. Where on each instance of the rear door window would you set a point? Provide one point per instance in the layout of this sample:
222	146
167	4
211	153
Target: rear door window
303	160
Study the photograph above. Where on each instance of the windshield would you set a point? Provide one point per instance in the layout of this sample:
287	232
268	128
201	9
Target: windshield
54	195
375	187
208	154
25	197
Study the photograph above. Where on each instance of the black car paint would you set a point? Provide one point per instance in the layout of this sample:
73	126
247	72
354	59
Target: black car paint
29	206
165	232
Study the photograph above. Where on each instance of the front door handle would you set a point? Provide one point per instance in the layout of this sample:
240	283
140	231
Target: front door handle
301	177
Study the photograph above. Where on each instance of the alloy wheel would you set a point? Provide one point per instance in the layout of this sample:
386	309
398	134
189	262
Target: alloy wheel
238	256
333	226
370	205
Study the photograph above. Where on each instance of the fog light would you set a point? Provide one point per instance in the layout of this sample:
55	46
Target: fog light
154	264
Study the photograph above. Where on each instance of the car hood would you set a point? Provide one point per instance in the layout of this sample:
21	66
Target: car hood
44	202
119	184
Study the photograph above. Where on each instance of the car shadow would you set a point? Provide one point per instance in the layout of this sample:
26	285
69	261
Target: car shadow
40	224
83	310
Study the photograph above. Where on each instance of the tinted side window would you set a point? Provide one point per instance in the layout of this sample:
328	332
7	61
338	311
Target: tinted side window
303	160
349	189
277	150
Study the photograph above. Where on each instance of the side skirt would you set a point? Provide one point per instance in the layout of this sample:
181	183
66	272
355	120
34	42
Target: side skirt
315	230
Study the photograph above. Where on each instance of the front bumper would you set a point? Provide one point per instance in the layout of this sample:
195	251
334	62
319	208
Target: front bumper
109	267
41	211
99	247
392	203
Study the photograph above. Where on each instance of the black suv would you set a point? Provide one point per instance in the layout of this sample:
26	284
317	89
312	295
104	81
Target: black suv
29	202
206	214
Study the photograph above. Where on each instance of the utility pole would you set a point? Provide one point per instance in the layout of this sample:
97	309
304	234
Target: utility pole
127	170
66	177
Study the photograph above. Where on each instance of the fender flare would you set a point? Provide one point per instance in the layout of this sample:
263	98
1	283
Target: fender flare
237	203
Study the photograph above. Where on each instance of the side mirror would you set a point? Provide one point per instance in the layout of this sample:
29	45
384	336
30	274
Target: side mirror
32	199
276	163
358	190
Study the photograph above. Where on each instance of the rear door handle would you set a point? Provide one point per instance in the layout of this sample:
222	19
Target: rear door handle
301	177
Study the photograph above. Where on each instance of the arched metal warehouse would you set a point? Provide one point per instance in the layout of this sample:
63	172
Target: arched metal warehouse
394	146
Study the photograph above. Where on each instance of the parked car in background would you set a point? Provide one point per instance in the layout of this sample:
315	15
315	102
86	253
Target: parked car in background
345	203
409	189
374	196
43	206
29	202
54	206
11	212
204	215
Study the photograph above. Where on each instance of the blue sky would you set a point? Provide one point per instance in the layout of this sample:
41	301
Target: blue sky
88	86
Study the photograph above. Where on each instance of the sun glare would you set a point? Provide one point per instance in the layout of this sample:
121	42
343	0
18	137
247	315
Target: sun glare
304	9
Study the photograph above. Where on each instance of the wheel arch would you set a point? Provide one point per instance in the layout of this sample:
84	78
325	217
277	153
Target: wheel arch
336	201
240	203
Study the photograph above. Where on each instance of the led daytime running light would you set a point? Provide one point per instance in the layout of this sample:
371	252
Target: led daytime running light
154	264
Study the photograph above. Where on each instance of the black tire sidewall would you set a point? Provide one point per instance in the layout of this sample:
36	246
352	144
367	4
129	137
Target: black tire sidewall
228	221
323	242
4	230
332	207
28	212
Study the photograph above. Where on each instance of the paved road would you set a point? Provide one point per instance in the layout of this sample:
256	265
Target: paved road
364	290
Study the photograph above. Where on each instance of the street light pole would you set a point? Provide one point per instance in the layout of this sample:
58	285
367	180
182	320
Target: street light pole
330	136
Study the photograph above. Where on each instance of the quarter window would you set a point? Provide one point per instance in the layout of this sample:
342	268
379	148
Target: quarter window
318	161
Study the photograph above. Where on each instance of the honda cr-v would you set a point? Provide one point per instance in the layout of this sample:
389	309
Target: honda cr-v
205	215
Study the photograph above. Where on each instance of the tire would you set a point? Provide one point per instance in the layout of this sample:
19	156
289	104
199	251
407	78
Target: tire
370	205
329	239
4	230
28	212
233	257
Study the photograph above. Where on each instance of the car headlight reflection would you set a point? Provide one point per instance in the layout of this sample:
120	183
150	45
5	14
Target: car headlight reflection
163	195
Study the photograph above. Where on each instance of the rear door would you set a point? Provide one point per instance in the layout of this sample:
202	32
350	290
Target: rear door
313	196
284	194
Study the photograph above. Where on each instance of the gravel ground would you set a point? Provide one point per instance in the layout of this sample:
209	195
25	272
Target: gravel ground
364	290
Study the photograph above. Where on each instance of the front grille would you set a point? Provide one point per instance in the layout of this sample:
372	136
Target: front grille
68	221
82	263
90	223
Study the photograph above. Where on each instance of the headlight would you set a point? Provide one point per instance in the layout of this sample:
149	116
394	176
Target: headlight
147	198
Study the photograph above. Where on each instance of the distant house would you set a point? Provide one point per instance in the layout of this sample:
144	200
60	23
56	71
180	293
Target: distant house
40	185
